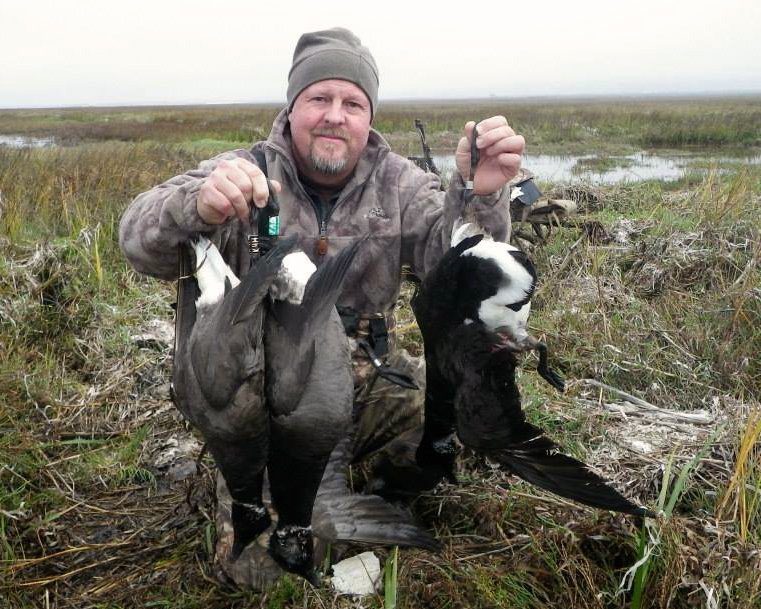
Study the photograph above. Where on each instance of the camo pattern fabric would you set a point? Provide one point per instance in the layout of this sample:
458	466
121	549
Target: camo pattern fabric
399	206
383	410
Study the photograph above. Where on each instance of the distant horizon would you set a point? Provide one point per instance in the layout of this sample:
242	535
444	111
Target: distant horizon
105	54
560	97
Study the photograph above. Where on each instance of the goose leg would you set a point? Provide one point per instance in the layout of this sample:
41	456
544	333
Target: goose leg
242	466
293	485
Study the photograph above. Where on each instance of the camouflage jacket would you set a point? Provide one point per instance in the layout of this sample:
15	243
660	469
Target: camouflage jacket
408	218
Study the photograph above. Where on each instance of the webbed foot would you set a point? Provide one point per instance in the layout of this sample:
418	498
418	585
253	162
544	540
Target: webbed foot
249	521
292	547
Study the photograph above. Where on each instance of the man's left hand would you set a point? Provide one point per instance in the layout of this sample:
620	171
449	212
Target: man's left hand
500	154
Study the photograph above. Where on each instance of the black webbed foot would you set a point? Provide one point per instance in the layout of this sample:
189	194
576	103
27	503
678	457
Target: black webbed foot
440	456
404	483
403	474
547	373
292	548
249	521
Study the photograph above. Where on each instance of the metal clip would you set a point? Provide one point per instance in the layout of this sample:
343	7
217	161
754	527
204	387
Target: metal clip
265	224
253	245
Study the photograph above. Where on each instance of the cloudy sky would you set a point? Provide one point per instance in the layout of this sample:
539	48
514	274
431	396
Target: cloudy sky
87	52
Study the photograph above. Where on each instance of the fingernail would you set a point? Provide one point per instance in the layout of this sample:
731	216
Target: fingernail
479	141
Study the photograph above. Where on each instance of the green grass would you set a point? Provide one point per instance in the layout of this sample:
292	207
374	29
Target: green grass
87	518
391	580
649	537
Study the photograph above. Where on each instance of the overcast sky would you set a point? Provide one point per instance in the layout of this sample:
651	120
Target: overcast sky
87	52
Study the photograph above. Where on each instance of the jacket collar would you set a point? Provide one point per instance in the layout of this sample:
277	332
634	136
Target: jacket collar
279	140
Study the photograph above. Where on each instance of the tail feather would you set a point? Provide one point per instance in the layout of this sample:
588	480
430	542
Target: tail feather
538	462
371	520
340	515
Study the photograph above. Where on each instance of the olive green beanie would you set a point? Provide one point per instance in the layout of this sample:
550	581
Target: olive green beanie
334	53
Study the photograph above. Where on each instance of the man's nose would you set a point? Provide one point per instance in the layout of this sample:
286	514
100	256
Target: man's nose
335	113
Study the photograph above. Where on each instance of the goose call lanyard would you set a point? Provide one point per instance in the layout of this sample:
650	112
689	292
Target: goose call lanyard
265	225
375	347
392	375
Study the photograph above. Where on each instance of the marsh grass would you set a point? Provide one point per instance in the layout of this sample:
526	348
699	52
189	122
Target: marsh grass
668	309
601	164
742	496
650	534
569	125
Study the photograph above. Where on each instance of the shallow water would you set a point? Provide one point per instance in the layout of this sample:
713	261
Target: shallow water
630	168
548	167
22	141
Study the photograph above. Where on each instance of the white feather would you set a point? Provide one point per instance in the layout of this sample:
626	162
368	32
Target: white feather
515	193
210	273
462	230
292	278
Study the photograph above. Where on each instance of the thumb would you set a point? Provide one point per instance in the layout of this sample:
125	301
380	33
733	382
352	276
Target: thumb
462	154
468	130
462	157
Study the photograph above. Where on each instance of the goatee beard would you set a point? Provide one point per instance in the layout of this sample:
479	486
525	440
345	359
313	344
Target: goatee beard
327	165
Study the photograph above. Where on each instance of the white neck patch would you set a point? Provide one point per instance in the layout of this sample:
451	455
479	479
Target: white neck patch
292	278
516	285
211	271
462	230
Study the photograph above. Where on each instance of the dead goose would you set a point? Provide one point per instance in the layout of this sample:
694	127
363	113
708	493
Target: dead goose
218	378
509	277
219	384
233	337
471	376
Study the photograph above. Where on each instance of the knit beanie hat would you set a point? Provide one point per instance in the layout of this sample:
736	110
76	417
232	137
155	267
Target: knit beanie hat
334	53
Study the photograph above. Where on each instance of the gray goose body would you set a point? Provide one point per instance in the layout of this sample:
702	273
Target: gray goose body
219	376
269	385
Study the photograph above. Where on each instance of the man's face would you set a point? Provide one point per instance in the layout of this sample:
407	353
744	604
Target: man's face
330	123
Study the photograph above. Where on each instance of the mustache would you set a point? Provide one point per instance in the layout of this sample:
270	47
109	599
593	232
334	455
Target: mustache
338	133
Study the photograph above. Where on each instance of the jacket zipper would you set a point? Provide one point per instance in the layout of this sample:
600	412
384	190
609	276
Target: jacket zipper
322	243
322	222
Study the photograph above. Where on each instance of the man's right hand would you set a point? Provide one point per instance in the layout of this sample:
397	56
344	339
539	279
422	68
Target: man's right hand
229	190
